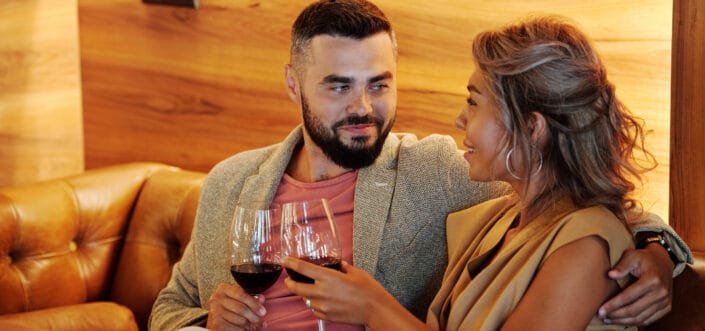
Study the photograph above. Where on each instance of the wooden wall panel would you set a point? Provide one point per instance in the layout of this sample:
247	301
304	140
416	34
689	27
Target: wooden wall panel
182	86
688	122
40	93
190	87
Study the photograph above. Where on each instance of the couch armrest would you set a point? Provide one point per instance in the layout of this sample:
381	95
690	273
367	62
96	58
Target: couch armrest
159	230
106	316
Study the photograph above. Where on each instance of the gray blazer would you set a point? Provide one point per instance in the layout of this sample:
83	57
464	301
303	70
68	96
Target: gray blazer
401	204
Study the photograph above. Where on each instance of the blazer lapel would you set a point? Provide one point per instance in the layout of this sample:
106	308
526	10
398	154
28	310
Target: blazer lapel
263	185
373	197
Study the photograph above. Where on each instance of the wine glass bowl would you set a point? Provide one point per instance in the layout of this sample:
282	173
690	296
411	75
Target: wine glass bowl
309	233
255	247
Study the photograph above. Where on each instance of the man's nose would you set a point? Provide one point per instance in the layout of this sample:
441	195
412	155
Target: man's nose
361	104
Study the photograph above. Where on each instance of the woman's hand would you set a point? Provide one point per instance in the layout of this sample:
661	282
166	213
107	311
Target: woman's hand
350	296
347	296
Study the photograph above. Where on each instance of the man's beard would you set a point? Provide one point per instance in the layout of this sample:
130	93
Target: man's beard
356	156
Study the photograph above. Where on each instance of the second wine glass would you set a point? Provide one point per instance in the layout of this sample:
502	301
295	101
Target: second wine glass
309	232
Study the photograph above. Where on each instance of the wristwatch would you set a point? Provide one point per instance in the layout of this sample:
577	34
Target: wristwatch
644	238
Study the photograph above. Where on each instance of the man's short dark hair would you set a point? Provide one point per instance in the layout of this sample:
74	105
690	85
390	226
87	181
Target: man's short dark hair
355	19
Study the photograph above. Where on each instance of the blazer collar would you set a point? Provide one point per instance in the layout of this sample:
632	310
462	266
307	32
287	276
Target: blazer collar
263	185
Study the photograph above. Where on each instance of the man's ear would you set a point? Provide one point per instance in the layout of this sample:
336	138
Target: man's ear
292	83
539	129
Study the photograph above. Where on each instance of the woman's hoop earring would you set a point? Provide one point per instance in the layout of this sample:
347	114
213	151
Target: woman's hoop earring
508	165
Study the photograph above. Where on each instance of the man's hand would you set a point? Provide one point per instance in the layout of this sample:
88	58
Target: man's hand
233	309
649	298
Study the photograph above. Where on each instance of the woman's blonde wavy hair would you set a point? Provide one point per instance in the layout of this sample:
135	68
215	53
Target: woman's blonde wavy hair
546	65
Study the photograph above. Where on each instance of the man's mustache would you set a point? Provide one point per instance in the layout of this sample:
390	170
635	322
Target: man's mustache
357	120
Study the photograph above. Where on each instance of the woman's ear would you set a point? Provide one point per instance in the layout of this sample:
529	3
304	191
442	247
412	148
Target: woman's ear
539	129
292	83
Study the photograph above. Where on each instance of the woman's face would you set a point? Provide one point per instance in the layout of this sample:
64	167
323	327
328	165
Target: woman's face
483	132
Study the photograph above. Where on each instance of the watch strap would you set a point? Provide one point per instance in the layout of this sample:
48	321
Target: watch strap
645	238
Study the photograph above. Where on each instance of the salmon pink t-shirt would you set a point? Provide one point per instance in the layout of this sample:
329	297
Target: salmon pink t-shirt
286	311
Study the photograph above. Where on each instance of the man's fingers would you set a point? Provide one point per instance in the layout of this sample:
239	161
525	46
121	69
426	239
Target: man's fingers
238	311
630	306
626	320
637	297
617	273
636	309
627	264
644	318
252	304
625	298
642	312
232	306
657	316
235	319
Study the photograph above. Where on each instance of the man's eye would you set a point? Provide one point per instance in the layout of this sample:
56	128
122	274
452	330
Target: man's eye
378	87
340	88
471	102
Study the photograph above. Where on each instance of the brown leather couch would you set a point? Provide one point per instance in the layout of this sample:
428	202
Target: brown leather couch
92	251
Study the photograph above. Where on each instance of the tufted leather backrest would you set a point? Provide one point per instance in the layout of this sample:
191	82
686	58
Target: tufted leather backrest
159	231
59	240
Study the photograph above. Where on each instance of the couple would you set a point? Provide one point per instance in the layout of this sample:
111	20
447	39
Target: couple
564	153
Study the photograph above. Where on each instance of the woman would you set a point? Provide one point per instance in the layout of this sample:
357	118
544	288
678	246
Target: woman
542	116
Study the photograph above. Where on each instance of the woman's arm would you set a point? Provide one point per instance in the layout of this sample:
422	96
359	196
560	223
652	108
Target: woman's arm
350	296
567	290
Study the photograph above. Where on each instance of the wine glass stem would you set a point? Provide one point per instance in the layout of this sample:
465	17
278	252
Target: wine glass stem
321	327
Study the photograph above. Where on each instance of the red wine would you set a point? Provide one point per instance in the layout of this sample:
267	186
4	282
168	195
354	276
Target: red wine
256	278
326	261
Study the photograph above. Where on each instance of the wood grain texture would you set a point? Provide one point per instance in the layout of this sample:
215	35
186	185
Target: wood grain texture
40	94
191	87
688	123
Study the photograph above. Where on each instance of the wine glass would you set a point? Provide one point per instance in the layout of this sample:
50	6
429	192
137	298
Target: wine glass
255	246
309	232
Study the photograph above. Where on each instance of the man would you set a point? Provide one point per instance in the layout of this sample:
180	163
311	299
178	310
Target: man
390	192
